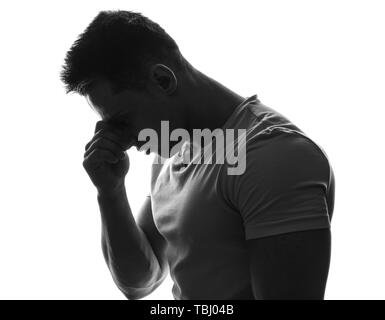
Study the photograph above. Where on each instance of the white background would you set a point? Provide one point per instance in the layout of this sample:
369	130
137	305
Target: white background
320	63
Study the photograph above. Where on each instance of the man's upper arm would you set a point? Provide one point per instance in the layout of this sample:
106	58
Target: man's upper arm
146	222
284	188
290	266
283	200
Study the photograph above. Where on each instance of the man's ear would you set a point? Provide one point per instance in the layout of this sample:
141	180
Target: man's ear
163	77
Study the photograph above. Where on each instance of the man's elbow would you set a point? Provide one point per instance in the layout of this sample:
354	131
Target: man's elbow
131	295
139	293
142	288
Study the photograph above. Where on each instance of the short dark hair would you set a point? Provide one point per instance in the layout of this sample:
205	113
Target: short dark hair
117	46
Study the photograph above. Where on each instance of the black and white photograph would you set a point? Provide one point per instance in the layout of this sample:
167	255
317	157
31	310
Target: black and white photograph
192	150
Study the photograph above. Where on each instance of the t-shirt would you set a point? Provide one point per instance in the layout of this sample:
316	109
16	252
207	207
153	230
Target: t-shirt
206	213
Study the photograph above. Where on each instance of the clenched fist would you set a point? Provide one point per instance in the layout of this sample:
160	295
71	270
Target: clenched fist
105	159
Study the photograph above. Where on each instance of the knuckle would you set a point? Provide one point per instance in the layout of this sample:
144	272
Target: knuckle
85	164
88	145
109	134
96	153
100	125
109	143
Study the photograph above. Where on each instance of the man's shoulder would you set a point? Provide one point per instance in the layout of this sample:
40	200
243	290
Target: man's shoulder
285	154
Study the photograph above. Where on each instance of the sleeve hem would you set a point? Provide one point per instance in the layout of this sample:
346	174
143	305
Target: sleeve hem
272	228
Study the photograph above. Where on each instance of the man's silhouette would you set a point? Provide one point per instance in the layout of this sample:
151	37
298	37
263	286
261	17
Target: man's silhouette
263	234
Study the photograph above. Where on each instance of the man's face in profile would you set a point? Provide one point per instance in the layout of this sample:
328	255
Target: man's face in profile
127	112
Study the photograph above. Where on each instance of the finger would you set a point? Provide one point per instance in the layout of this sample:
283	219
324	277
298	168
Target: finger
102	143
97	157
124	143
101	125
107	135
113	127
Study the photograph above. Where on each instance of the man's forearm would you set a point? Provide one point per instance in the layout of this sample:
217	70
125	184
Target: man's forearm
126	249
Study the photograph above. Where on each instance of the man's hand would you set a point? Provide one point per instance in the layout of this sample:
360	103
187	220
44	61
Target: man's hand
105	159
128	252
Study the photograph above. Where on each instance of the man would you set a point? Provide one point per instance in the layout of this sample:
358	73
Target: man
260	234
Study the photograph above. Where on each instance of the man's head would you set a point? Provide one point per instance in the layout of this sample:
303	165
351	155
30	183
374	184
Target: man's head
129	69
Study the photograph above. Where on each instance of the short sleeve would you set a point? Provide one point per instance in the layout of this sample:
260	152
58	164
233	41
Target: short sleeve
283	188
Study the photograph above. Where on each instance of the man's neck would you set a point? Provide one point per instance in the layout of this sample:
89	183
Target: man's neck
210	103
